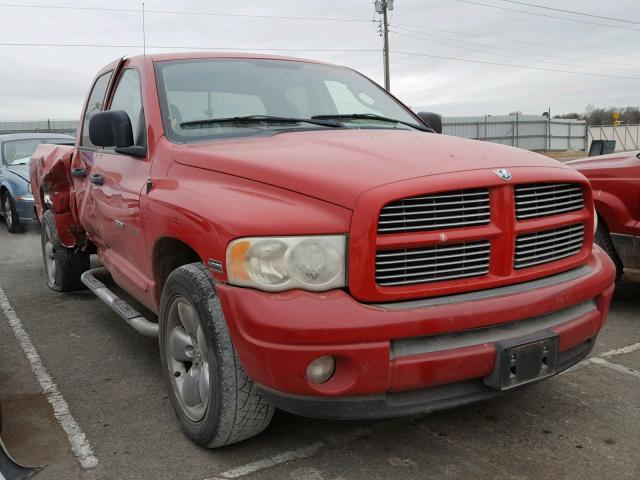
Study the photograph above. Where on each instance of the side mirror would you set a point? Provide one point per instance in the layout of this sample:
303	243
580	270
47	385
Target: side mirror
111	129
431	120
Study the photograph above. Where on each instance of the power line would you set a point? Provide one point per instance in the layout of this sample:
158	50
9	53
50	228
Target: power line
518	57
548	16
584	14
442	57
537	44
180	12
232	49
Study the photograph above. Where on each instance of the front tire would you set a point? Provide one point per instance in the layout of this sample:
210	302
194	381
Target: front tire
62	266
11	219
214	400
603	239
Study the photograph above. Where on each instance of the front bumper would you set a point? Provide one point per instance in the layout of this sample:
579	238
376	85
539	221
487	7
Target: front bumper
25	208
407	357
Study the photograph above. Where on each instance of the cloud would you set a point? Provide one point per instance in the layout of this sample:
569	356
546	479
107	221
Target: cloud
38	82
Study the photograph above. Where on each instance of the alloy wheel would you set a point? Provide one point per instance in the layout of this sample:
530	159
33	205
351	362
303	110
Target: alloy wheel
49	258
8	214
187	358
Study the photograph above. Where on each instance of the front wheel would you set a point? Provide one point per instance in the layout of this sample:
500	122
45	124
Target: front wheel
62	266
11	219
214	400
603	239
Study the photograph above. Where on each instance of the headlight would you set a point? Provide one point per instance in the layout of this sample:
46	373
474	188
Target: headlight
274	264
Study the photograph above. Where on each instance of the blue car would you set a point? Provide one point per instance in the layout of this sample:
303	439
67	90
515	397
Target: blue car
16	198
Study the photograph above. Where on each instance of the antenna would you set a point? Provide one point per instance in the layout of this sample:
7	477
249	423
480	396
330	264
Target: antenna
144	35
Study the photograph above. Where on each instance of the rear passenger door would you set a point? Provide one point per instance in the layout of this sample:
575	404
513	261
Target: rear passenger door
118	181
84	161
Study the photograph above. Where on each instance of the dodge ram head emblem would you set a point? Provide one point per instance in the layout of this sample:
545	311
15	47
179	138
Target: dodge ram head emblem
503	173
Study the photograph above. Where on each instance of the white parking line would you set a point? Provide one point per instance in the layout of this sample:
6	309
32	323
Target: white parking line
347	437
272	461
77	439
608	354
620	351
614	366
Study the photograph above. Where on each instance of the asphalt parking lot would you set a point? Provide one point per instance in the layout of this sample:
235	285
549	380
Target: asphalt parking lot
104	407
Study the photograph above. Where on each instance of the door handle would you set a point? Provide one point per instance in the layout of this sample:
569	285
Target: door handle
97	179
79	172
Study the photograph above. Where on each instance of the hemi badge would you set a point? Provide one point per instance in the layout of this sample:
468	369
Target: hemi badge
215	265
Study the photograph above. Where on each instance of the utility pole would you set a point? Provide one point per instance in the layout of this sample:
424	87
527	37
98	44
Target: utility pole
382	8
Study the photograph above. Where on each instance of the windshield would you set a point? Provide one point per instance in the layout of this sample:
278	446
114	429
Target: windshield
18	152
195	92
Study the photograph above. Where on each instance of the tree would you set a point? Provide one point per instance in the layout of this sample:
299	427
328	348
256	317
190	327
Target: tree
604	116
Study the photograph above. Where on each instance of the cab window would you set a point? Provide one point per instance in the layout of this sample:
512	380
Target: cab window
94	105
128	97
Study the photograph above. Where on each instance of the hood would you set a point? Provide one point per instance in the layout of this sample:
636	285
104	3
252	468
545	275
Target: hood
339	165
613	165
21	171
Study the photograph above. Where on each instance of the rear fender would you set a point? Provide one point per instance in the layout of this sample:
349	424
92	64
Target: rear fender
51	182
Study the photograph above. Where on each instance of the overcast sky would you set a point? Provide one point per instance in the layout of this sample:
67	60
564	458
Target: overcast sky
51	82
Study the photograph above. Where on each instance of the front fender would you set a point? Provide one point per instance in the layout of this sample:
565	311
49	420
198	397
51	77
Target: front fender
51	182
7	186
615	213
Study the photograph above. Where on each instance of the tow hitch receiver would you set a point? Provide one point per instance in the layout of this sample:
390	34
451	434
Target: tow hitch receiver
524	360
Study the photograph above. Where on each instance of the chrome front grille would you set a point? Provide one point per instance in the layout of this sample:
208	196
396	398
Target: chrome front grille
548	245
432	264
543	199
454	209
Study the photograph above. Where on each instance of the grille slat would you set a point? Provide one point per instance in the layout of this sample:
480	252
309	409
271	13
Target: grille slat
446	210
556	212
433	212
543	203
548	246
449	217
437	263
425	259
441	249
543	193
542	186
432	227
422	267
542	200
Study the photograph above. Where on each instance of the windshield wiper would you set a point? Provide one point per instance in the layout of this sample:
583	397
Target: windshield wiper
258	119
371	116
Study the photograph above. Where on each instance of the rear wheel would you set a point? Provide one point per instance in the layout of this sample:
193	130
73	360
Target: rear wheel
11	219
214	400
63	267
603	239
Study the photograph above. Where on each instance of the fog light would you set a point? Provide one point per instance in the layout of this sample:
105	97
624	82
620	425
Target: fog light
321	369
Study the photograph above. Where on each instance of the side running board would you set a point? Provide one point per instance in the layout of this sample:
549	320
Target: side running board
134	318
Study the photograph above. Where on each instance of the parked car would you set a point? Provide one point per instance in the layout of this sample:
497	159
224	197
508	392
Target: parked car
615	180
16	199
308	243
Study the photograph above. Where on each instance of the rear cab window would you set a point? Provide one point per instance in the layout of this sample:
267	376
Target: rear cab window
94	105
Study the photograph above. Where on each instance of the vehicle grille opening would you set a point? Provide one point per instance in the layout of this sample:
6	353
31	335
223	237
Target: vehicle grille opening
548	245
544	199
432	264
458	208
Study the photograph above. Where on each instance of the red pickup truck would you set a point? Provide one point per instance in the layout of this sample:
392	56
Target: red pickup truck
300	239
615	180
